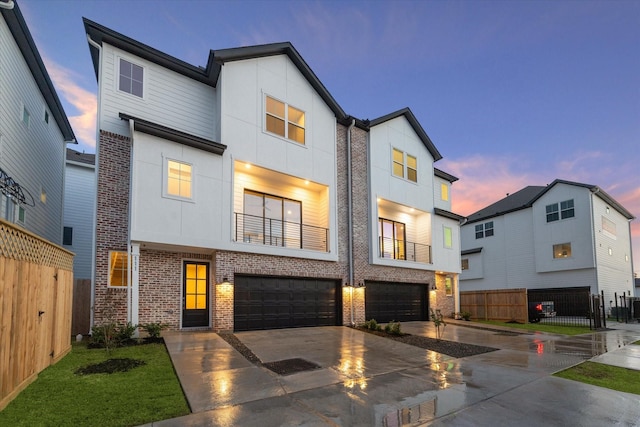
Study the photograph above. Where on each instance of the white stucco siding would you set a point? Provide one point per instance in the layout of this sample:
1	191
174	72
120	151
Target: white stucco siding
79	204
33	154
446	258
577	230
169	98
157	218
398	133
613	249
475	271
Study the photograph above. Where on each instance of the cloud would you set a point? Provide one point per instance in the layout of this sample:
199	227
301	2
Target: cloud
84	102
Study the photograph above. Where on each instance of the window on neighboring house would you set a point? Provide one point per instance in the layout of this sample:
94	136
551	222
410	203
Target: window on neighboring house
118	264
131	78
67	236
392	235
405	165
284	120
179	179
448	286
448	237
444	192
484	230
21	215
562	210
271	220
562	250
465	263
26	116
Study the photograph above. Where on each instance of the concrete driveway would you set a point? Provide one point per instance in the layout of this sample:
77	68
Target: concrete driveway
365	380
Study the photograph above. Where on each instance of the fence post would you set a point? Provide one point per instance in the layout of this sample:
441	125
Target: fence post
604	313
615	298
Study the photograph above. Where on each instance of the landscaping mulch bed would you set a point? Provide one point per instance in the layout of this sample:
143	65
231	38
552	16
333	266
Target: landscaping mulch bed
110	366
291	366
450	348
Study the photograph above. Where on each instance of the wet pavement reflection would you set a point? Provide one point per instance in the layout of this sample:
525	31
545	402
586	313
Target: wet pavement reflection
366	380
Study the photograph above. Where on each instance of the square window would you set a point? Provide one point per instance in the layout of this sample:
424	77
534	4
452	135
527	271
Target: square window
284	120
179	179
465	264
131	78
118	267
67	236
562	250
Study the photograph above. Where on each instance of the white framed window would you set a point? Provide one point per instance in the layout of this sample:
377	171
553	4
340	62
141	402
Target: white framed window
404	165
131	78
21	215
562	250
118	268
178	179
484	230
444	192
284	120
448	286
558	211
448	237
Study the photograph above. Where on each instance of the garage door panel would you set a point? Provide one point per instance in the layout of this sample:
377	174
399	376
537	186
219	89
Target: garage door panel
402	302
282	302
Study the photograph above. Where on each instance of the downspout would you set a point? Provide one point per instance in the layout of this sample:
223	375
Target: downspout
350	216
95	202
130	216
593	238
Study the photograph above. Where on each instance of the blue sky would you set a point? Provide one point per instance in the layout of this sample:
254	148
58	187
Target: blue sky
513	93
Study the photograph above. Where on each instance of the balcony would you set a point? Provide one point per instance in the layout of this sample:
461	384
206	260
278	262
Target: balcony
403	250
274	232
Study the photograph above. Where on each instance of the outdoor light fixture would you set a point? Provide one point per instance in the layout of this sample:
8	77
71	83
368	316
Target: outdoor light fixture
433	287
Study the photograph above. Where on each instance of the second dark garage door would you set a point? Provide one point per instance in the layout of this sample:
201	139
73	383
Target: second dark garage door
402	302
285	302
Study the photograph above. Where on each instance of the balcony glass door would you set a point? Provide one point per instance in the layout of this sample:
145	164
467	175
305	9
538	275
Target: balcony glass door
392	239
272	220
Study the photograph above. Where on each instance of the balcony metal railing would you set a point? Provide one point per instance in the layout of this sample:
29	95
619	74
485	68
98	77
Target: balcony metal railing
404	250
274	232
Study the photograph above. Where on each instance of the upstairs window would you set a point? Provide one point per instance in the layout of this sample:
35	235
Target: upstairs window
405	165
67	236
448	237
444	192
464	263
179	179
131	78
284	120
484	230
562	210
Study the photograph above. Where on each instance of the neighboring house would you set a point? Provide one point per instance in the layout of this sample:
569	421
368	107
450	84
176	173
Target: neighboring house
79	203
241	196
34	130
563	235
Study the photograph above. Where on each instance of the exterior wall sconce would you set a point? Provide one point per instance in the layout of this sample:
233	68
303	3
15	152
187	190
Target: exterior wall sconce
433	287
225	286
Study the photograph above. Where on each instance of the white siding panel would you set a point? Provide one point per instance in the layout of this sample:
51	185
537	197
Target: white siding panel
446	259
32	155
169	99
79	204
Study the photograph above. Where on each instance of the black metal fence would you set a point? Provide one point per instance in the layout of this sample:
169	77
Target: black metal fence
626	308
569	307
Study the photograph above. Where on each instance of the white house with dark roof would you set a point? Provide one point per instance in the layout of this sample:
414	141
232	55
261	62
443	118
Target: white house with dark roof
563	235
34	131
240	196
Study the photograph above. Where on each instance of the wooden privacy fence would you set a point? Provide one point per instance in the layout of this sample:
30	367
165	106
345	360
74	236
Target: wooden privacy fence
497	304
36	284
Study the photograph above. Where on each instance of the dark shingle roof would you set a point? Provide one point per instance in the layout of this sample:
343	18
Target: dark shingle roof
76	156
526	197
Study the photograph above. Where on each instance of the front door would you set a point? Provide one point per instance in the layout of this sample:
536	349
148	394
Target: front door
195	294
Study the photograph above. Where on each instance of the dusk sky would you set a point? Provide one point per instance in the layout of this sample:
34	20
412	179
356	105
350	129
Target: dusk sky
512	93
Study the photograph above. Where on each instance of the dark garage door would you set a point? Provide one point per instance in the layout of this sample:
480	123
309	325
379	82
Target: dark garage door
402	302
284	302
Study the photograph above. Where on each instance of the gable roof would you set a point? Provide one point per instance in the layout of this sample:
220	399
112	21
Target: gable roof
442	174
526	197
208	75
20	32
408	114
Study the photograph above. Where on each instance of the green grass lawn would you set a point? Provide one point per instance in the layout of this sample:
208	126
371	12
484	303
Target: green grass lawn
612	377
59	397
540	327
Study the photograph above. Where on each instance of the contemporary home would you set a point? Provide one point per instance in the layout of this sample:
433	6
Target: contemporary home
563	236
34	131
240	196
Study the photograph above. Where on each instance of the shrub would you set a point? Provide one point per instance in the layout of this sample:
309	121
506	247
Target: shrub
154	329
110	335
438	320
372	325
393	328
